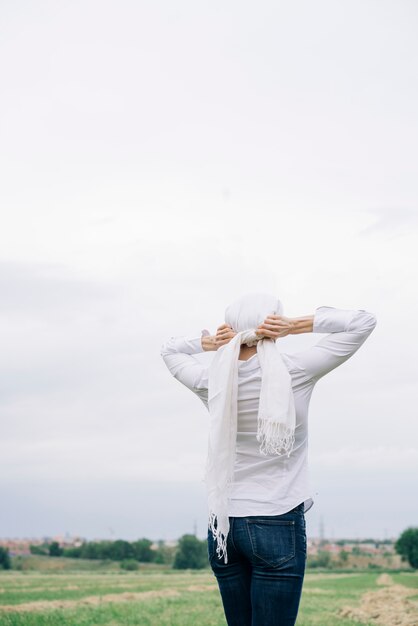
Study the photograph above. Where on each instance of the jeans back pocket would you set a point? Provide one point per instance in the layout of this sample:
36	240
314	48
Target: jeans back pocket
272	540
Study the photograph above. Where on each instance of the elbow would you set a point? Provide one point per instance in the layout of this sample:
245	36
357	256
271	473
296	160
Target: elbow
369	321
372	321
363	321
164	349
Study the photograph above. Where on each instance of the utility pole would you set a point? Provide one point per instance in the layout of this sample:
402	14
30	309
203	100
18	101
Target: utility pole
321	530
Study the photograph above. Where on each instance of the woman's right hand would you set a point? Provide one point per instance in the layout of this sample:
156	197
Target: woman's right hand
224	334
275	326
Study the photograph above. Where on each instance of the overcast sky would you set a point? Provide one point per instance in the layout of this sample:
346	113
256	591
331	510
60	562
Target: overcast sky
158	160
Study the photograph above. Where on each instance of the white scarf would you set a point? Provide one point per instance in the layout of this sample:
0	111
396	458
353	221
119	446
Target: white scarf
276	413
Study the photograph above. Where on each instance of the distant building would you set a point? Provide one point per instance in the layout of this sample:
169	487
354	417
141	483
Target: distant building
21	546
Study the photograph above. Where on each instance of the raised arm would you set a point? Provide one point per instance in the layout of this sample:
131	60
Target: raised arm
347	331
177	353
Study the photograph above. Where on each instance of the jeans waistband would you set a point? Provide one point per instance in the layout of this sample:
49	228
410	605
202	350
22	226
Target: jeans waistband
299	508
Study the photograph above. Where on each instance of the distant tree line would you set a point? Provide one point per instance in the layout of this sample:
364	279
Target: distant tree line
118	550
190	552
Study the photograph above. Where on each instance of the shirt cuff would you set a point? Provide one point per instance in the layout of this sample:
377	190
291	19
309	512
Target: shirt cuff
195	344
186	345
329	319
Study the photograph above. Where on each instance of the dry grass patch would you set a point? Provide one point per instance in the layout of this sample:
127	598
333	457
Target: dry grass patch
96	600
389	606
43	605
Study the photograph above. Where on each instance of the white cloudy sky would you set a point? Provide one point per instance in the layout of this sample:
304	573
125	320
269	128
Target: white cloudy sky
159	159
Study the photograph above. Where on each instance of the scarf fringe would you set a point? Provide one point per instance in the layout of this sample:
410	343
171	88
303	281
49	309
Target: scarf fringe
219	537
275	437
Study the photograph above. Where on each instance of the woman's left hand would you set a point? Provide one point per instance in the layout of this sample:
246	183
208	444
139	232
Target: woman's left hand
224	334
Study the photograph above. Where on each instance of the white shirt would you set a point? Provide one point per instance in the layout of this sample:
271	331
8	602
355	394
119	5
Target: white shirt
273	485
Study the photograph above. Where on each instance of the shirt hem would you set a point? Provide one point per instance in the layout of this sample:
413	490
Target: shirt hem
307	501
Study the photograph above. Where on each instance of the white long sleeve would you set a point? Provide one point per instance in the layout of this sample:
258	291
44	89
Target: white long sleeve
177	353
347	331
270	485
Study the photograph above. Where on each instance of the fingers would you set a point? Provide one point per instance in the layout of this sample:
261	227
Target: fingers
273	319
267	333
225	330
224	334
222	326
275	326
270	326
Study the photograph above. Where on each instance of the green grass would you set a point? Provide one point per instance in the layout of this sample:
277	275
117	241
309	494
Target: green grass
323	595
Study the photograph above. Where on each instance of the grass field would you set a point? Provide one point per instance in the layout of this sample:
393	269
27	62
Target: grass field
165	597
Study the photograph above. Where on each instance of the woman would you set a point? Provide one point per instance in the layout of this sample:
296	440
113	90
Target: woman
258	399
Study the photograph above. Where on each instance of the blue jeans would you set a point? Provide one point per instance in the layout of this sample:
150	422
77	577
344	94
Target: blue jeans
261	585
